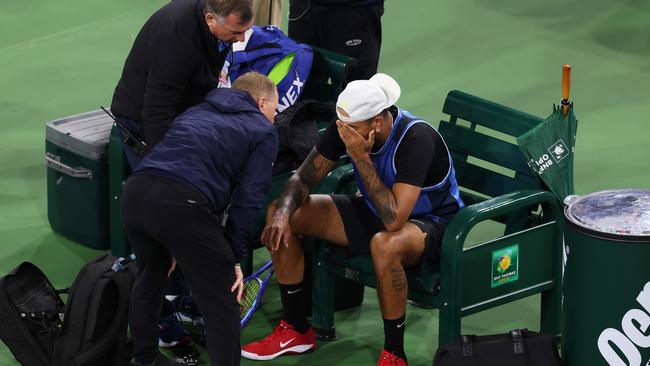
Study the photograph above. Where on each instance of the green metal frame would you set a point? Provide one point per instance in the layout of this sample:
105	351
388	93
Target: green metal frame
509	193
543	243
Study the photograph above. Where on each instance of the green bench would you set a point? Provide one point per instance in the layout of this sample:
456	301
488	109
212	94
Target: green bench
504	190
326	80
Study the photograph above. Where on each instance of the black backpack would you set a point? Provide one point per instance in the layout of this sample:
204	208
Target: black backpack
298	132
91	331
31	314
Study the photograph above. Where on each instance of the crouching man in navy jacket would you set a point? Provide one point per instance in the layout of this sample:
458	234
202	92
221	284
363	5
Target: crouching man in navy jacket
218	152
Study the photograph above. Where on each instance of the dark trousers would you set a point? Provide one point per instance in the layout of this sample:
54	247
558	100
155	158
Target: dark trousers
164	218
176	284
353	31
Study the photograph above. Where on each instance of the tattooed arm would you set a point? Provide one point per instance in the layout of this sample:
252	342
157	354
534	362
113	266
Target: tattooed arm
394	205
307	176
295	193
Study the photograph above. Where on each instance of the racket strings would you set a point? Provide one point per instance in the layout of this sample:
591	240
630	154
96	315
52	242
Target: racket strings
251	290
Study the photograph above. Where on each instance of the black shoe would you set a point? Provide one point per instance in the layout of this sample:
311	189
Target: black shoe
160	360
185	355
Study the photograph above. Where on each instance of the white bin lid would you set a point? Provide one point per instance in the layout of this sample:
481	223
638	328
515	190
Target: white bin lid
624	212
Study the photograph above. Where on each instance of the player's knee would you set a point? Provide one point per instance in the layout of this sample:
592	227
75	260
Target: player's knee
308	218
377	243
299	222
385	246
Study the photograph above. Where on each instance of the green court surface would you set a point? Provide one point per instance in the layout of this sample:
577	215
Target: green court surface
59	58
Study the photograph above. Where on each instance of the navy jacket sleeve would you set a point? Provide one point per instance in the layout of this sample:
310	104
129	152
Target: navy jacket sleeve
171	65
252	186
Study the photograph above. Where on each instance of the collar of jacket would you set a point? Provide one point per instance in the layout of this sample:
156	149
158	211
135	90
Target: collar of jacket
210	39
227	100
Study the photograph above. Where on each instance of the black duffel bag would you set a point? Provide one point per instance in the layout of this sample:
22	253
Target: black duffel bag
519	347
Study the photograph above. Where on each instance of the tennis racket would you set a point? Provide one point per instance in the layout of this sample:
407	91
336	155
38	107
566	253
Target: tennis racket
254	287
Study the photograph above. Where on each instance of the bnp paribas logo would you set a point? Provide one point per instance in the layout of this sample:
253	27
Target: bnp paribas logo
505	265
558	151
504	262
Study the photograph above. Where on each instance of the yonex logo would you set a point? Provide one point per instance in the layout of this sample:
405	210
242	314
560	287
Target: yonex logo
292	94
353	42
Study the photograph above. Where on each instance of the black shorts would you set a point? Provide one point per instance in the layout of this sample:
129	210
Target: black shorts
361	225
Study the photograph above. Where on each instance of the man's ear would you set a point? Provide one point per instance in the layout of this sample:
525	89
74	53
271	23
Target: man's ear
261	102
209	17
378	122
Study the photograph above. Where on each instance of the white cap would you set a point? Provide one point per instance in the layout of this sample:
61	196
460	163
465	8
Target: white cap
364	99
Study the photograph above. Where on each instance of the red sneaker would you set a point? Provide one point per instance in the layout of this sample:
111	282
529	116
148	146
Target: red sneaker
284	339
388	359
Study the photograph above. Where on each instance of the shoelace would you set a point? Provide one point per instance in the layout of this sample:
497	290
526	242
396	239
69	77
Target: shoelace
389	359
277	333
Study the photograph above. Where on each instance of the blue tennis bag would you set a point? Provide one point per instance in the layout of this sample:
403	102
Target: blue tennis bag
267	48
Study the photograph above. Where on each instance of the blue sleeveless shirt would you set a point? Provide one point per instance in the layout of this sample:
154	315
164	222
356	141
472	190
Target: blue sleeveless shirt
438	202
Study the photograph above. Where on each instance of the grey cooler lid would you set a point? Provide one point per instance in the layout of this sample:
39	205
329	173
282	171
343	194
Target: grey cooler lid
620	212
85	134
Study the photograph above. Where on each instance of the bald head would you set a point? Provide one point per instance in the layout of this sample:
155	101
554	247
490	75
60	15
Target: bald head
262	90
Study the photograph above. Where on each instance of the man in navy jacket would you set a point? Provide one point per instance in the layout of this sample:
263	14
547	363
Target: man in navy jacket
217	153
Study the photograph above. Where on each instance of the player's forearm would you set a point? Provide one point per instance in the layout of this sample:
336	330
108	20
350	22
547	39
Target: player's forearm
295	194
380	195
306	177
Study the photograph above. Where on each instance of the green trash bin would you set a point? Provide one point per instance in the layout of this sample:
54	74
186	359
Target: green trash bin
77	177
607	279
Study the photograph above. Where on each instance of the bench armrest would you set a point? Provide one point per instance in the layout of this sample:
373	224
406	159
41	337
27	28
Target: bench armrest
336	179
470	216
451	264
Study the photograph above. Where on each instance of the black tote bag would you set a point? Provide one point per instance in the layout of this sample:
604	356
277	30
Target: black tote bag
519	347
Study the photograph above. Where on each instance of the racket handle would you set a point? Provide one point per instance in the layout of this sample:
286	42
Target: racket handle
566	86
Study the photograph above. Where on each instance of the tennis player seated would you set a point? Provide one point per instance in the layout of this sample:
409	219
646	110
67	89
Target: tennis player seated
408	194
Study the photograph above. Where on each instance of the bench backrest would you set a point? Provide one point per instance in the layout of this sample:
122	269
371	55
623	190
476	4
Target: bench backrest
484	148
328	76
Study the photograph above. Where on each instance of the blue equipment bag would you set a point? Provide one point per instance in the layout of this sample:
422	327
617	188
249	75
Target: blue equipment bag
272	53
